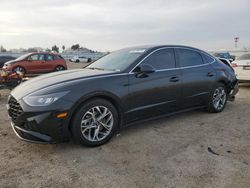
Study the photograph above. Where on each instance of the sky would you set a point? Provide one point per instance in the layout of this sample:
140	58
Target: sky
108	25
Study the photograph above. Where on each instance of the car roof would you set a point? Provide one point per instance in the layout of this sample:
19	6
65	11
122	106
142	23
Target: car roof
161	46
49	53
153	47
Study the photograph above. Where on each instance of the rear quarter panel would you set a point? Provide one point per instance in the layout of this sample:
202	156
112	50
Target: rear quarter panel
224	74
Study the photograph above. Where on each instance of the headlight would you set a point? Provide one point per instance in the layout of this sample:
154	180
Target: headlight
43	100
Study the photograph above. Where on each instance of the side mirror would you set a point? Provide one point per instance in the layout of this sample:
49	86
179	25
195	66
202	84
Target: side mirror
147	69
142	71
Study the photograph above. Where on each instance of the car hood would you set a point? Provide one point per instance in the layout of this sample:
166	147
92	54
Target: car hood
11	62
57	78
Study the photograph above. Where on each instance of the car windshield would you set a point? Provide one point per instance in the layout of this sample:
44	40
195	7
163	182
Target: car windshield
244	57
23	57
118	60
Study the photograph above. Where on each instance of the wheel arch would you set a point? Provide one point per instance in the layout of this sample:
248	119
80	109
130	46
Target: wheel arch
15	66
226	83
98	95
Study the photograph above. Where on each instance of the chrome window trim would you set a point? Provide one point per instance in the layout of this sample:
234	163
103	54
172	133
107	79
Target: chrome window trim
176	68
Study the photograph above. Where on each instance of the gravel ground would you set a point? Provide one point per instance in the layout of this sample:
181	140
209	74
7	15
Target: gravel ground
171	152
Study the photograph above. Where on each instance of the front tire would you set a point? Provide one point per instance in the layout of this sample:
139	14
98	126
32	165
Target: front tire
95	123
218	98
19	69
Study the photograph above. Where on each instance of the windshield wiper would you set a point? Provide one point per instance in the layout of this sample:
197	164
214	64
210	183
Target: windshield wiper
94	68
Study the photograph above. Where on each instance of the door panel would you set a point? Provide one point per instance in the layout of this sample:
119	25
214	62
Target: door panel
154	93
197	83
198	78
33	64
49	64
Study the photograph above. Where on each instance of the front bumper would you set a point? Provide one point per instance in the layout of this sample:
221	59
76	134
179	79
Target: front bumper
39	126
43	128
31	136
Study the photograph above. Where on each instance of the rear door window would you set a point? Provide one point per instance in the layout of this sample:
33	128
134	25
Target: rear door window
41	57
207	58
189	58
49	57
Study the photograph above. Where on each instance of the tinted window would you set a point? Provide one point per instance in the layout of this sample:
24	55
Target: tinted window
161	59
207	58
189	58
49	57
41	57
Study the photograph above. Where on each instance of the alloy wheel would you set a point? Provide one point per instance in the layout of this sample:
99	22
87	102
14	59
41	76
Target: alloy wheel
97	123
19	69
219	98
59	68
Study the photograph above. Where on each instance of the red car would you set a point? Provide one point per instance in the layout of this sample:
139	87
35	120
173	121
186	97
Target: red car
36	63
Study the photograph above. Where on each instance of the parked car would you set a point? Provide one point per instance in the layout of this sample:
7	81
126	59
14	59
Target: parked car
4	59
80	59
36	63
125	86
225	55
243	60
243	67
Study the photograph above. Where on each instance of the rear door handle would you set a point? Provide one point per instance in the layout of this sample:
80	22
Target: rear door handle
174	79
210	74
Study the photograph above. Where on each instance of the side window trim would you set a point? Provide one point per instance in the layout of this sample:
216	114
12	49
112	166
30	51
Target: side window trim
176	62
200	53
151	53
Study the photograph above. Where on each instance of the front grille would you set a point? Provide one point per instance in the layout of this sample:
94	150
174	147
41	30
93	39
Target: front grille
14	109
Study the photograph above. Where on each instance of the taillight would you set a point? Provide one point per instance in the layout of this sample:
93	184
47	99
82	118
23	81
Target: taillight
233	65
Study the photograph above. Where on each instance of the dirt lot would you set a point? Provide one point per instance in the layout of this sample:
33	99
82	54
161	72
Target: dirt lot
170	152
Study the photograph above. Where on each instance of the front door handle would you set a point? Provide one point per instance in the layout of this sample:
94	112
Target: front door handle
174	79
210	74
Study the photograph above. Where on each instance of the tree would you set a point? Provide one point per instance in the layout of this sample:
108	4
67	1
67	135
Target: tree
75	47
55	48
2	49
48	50
32	50
63	47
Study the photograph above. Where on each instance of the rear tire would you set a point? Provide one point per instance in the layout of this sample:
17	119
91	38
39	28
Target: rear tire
218	98
94	123
59	68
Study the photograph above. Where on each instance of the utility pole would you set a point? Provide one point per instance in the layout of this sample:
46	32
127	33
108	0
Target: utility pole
236	40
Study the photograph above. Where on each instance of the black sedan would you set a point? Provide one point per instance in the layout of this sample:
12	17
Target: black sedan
125	86
4	59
